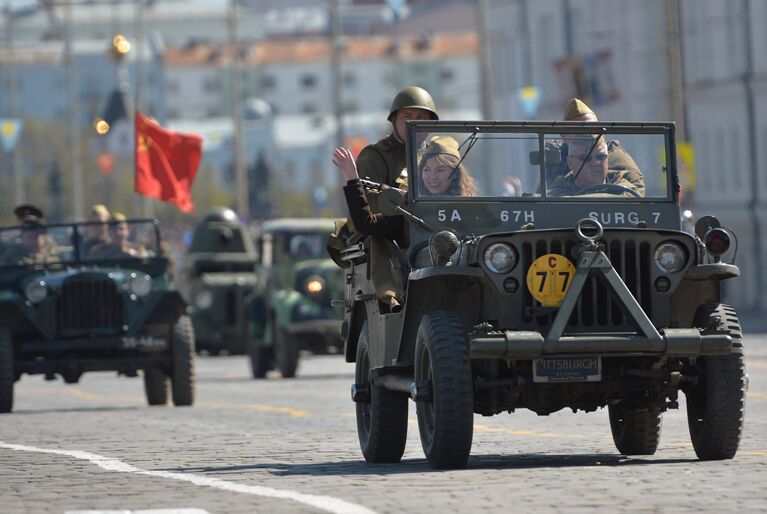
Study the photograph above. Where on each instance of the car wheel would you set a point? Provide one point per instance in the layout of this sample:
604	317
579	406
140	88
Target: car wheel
7	376
382	416
285	352
155	386
445	403
716	403
260	359
182	374
636	430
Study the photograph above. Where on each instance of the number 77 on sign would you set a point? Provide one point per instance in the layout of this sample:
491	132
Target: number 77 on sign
549	278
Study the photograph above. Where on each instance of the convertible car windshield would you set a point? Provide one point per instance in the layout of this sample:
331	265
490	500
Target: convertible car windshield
574	162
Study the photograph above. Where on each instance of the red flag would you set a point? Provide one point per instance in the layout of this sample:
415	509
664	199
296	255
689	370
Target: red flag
166	162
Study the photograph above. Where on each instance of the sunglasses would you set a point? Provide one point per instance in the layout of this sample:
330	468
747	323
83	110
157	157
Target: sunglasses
599	157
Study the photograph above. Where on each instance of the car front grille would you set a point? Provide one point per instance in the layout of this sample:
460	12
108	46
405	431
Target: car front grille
89	305
596	309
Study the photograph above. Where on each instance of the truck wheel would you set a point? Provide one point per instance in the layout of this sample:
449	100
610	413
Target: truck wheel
155	386
260	359
381	421
182	374
285	352
636	430
446	409
7	376
716	403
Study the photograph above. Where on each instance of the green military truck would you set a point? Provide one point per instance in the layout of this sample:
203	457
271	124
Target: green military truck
74	300
219	273
291	307
530	296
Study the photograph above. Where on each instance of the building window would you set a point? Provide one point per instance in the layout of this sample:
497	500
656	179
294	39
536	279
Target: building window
268	82
308	81
446	75
171	86
308	108
211	85
350	79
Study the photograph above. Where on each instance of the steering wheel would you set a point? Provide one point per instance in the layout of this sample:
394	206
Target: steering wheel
613	189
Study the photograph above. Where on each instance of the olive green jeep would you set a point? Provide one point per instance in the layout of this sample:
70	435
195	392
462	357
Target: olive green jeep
219	274
80	297
291	307
563	281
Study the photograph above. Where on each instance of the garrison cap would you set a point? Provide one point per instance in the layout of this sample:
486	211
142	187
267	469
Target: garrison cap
32	222
25	209
442	145
575	108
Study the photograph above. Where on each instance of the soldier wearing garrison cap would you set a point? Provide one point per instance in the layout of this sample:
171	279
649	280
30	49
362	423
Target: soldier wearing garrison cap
26	209
577	110
33	245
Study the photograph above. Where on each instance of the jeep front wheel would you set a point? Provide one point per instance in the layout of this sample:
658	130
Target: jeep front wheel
155	386
636	430
716	403
381	413
285	352
182	374
446	406
7	376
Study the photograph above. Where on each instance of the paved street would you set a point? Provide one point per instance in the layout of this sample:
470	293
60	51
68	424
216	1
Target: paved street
291	446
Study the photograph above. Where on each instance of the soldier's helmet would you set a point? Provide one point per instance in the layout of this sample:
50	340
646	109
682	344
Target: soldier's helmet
221	214
414	97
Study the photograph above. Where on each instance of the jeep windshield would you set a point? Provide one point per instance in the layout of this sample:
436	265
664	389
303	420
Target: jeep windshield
574	162
483	177
51	245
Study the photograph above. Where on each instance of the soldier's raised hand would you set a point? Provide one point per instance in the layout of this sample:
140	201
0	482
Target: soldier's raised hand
344	161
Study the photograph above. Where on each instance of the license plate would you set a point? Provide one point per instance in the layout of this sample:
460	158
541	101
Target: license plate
567	369
143	342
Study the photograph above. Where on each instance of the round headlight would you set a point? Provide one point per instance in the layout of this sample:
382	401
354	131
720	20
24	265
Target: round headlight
140	284
204	300
670	257
500	257
36	291
314	284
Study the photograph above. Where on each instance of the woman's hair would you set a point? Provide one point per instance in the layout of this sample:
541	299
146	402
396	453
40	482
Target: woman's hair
461	182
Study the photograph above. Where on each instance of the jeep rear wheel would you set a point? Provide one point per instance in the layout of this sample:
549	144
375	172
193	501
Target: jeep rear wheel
636	430
382	416
7	376
716	403
182	374
285	352
260	359
446	410
155	386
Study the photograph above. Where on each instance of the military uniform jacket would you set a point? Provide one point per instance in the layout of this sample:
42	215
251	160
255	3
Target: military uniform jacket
382	162
369	224
565	186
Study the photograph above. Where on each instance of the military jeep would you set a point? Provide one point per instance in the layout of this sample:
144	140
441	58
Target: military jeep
589	298
220	272
74	299
292	303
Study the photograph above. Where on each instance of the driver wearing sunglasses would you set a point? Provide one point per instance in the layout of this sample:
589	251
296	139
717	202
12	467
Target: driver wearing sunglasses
588	168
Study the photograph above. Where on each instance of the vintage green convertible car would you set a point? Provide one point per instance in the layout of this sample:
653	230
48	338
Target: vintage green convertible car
291	306
80	297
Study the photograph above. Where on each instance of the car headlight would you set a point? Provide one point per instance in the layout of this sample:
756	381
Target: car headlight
314	284
500	257
670	257
204	300
140	284
36	291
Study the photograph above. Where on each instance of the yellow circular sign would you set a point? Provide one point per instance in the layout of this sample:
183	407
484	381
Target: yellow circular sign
549	278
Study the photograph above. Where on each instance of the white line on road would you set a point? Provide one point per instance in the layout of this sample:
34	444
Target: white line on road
326	503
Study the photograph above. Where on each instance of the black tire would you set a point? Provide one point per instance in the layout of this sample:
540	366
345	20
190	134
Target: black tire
446	418
716	404
7	376
636	430
260	359
156	386
182	374
381	423
285	352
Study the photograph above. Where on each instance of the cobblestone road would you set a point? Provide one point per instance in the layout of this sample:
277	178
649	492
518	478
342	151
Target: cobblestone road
291	446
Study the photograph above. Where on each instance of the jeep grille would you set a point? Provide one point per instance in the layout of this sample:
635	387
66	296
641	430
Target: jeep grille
595	308
89	305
